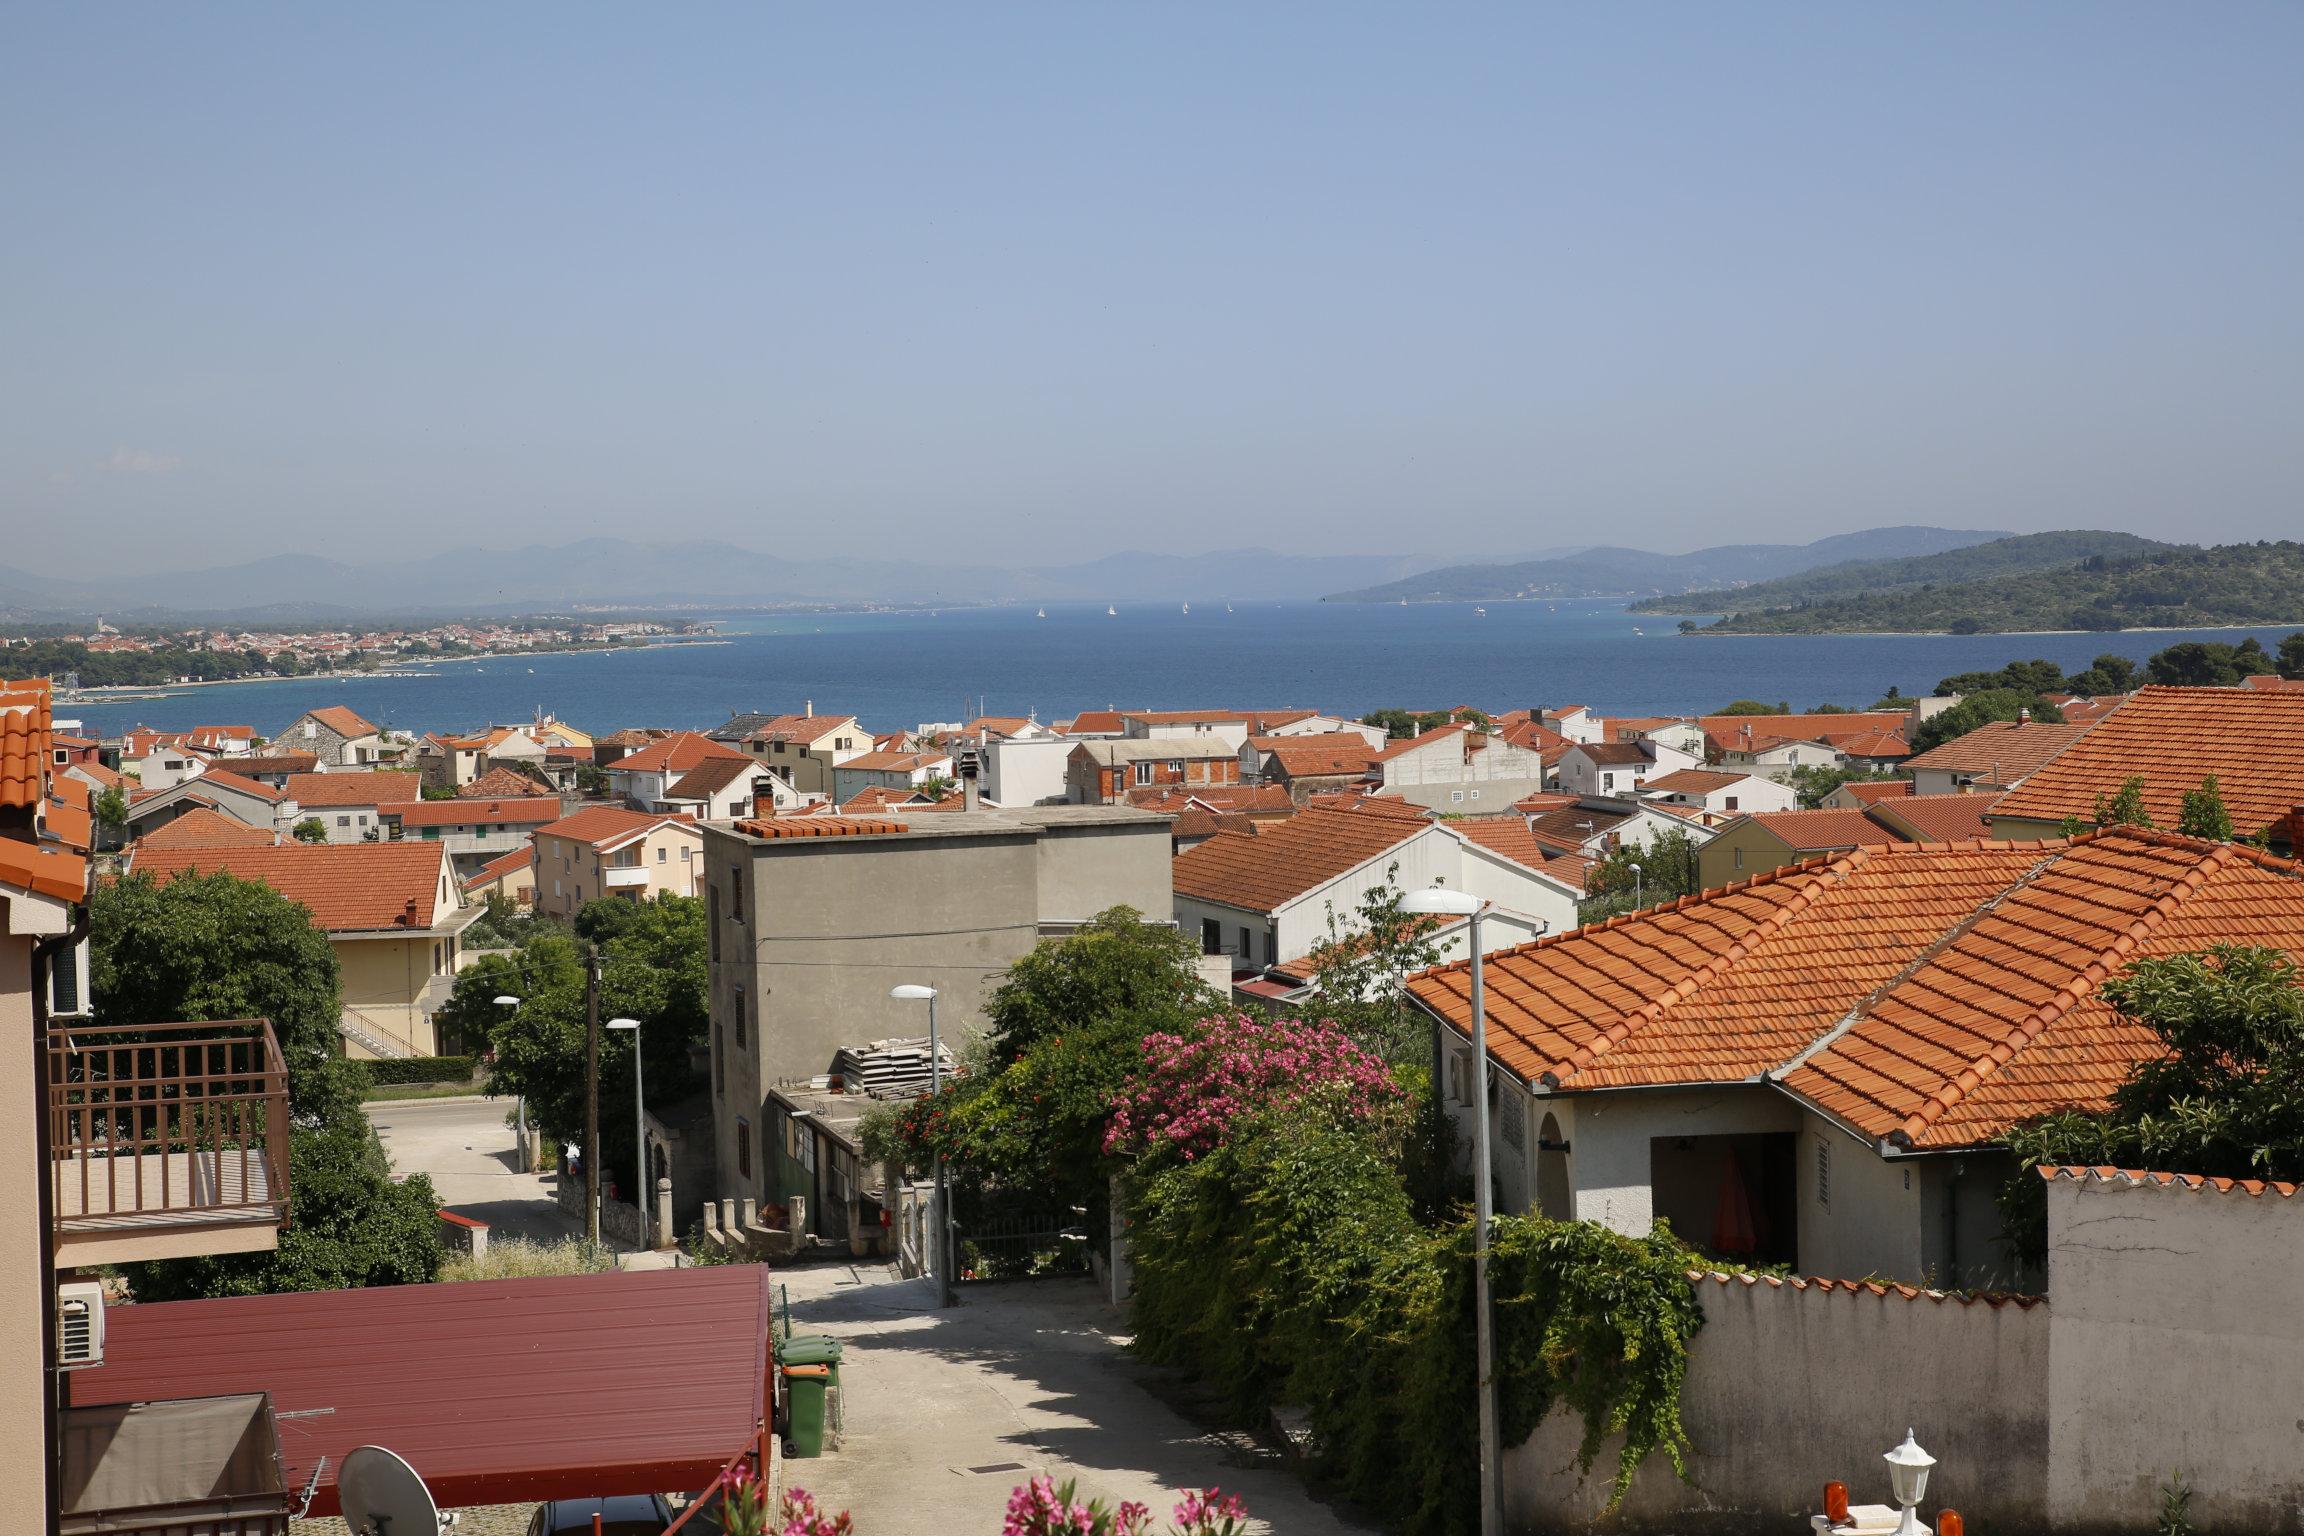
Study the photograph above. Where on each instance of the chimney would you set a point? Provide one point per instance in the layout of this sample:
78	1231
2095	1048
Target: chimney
808	709
408	916
967	767
2024	714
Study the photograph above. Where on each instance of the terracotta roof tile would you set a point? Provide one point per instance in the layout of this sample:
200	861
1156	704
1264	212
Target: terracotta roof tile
342	721
2003	752
2251	740
709	778
821	826
1509	836
602	826
45	871
1327	755
1935	818
2273	682
1363	803
1873	793
201	827
347	887
1876	1288
522	810
1696	781
1101	722
675	754
1737	733
1929	995
500	866
1826	829
1284	859
330	789
2199	1183
275	762
896	762
25	722
224	778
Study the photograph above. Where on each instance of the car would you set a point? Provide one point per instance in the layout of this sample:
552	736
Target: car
623	1514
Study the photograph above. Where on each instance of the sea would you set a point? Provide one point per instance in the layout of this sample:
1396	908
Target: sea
901	670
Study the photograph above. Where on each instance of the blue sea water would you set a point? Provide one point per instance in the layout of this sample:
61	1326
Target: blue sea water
901	669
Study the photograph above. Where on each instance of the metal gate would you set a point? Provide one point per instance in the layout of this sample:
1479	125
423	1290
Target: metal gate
1022	1245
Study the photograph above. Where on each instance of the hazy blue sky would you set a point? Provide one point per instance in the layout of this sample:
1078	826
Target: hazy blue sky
1018	281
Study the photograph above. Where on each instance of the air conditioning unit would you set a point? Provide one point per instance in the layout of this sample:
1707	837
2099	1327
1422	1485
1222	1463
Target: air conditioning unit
79	1324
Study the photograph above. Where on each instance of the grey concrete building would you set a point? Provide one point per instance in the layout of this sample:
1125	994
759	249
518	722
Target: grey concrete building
813	918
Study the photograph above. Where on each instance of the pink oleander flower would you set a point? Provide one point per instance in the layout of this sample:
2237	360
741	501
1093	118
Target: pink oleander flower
1193	1087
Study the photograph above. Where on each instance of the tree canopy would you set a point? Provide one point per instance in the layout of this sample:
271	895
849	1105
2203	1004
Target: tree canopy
2209	663
1977	709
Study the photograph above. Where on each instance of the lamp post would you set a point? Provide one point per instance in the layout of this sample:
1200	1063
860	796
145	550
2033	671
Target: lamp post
939	1220
1908	1479
1637	902
639	1130
511	1004
1440	901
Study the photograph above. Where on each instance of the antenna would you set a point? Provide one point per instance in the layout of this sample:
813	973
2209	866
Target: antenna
382	1496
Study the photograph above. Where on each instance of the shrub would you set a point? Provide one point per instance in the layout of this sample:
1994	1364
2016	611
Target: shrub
418	1069
516	1258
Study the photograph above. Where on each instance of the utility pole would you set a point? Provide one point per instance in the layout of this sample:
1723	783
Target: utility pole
592	1093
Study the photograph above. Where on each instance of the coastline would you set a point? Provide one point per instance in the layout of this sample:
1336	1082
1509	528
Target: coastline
421	666
1980	634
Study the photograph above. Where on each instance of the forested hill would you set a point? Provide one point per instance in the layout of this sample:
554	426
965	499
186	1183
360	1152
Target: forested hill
2172	587
1857	578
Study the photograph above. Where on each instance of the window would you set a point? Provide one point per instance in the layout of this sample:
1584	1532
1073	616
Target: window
719	1047
663	854
1245	950
1211	936
1271	942
1607	781
1475	794
1144	773
687	855
1823	1172
343	821
743	1149
736	899
1731	802
1456	796
1739	858
711	920
740	1038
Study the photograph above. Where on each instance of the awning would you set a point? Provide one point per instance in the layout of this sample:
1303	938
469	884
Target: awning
494	1391
208	1463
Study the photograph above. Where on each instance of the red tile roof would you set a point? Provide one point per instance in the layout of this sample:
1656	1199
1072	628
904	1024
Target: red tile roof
1251	799
500	866
1739	733
275	762
1327	755
201	827
1932	996
675	754
500	783
1879	745
1438	733
342	721
24	731
347	887
2273	682
1873	792
1696	781
895	762
1817	831
43	870
2197	1183
1509	836
1364	803
332	789
798	728
603	826
1098	722
523	810
2250	739
97	773
2002	752
709	778
1935	818
224	778
1285	858
821	826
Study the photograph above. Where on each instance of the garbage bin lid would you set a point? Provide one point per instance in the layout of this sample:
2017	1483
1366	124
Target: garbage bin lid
809	1349
808	1371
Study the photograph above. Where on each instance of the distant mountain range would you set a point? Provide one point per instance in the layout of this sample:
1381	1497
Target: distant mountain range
612	573
1859	578
1609	572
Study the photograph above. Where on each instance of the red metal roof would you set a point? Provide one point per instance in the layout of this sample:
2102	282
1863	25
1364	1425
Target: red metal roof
644	1381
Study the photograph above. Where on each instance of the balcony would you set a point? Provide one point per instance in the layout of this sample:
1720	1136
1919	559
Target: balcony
166	1140
621	877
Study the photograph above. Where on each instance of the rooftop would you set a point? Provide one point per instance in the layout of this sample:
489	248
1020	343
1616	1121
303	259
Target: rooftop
1935	818
347	887
605	826
2251	739
1926	996
328	789
1285	859
1696	781
2003	751
709	778
674	754
201	827
1335	753
527	810
1820	830
344	722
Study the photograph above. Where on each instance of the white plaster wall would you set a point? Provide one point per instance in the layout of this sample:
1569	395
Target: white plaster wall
1873	1224
1026	772
1515	888
1789	1388
1609	1163
2177	1350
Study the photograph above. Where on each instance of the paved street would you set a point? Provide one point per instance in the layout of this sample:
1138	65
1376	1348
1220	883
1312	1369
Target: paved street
466	1147
948	1410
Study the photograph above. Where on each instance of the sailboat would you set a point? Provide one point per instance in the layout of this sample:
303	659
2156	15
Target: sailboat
1187	607
1479	613
1111	612
1403	602
1043	613
1227	607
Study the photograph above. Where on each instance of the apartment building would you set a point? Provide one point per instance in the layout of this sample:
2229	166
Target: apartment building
606	850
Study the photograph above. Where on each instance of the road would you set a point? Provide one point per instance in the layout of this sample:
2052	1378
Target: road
465	1146
946	1411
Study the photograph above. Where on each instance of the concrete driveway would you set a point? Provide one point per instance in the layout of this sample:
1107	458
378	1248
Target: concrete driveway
466	1148
946	1411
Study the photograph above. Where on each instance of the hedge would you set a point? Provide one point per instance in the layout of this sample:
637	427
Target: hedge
420	1069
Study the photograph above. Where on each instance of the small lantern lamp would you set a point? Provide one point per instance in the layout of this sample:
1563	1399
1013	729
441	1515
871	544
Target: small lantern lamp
1908	1480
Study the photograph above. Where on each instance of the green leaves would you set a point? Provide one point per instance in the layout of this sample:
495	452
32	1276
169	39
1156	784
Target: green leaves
1982	708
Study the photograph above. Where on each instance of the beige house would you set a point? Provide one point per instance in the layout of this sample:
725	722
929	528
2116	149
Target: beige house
605	850
393	912
511	876
803	749
350	804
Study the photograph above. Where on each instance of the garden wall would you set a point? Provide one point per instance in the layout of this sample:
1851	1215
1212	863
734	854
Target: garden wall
1793	1383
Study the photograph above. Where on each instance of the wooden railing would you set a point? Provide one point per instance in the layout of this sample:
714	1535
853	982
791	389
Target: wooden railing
158	1122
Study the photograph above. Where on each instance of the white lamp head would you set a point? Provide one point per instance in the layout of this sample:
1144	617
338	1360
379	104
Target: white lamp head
623	1023
912	992
1908	1471
1439	901
507	1000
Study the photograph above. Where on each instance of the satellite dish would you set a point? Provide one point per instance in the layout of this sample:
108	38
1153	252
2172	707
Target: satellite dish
382	1496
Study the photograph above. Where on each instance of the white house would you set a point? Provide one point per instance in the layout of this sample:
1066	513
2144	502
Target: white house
1300	722
1025	767
723	789
1595	825
1715	794
1616	767
644	778
1776	757
1226	725
167	764
1460	768
888	770
1264	898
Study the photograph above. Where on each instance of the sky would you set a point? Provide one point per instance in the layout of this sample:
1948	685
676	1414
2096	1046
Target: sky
1037	282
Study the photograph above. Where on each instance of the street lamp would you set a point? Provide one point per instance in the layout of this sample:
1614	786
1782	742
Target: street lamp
939	1219
1440	901
639	1130
1637	903
1908	1479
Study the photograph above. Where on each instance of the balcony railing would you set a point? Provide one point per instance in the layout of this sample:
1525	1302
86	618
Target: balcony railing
162	1127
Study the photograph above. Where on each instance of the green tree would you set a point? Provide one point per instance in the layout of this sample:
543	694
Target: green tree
1751	707
1981	709
2289	663
210	947
1361	969
2125	808
604	918
591	779
2036	676
1813	784
2207	663
1667	868
2225	1097
2203	813
310	830
2107	674
110	809
438	791
1398	724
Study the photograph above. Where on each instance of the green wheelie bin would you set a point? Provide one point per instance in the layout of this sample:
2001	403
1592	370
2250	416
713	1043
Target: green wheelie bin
805	1387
